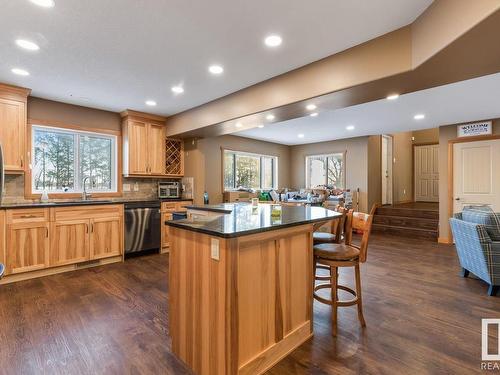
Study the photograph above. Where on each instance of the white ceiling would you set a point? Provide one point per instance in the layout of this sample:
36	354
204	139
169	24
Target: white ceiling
115	54
475	99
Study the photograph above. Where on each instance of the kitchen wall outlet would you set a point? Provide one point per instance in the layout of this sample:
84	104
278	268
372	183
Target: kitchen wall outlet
126	187
136	186
214	248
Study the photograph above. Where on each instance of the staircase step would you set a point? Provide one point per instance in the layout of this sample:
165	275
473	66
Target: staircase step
404	231
407	212
407	222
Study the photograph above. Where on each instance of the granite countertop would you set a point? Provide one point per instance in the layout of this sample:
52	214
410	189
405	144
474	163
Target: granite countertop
244	220
83	203
225	208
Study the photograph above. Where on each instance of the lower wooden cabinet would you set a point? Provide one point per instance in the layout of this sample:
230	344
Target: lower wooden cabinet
27	247
69	242
165	240
106	237
36	239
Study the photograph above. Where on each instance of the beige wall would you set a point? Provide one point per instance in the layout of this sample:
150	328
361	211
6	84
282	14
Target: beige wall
447	133
402	169
426	136
356	163
204	162
48	110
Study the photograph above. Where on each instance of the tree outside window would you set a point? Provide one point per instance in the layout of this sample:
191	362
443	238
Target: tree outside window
248	170
63	158
325	170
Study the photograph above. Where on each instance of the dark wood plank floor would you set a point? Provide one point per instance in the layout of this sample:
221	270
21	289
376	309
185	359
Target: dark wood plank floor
421	319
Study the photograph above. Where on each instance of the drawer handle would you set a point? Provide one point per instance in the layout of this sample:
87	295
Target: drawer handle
27	216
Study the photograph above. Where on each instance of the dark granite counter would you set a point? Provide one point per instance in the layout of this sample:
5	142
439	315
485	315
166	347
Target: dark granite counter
224	208
83	203
244	219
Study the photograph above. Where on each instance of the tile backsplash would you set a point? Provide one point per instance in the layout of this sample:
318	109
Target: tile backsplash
140	188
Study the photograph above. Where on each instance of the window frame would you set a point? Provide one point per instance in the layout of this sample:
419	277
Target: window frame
260	156
306	167
116	190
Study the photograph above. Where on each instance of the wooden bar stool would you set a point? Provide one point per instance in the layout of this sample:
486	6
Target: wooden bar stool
337	255
336	235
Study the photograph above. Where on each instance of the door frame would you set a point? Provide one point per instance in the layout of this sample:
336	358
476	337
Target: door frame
451	142
391	138
413	176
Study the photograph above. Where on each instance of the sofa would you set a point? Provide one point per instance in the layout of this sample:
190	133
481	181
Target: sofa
476	231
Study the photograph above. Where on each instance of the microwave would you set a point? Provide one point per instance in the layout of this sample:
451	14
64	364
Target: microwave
170	189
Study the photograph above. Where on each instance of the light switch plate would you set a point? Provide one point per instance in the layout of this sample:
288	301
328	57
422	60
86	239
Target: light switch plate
214	249
136	186
126	187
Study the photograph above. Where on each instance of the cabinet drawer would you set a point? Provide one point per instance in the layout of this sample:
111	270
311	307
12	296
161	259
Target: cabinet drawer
169	206
87	212
181	206
27	215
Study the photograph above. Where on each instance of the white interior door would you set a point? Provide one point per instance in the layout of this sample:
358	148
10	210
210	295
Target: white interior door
386	169
426	159
476	174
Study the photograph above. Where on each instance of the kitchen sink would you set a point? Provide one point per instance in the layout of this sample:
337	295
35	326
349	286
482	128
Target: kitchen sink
79	202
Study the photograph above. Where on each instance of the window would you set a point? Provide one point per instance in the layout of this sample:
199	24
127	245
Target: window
242	169
325	170
62	159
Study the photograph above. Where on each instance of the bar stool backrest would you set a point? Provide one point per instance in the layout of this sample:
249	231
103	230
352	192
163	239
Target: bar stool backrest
359	221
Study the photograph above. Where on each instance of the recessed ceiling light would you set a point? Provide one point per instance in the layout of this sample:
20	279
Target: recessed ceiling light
177	89
393	97
26	44
215	69
260	126
350	127
20	72
44	3
311	107
314	114
270	117
273	40
151	103
239	124
420	116
300	135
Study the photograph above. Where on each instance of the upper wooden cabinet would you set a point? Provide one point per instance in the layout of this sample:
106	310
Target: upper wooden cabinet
144	138
13	114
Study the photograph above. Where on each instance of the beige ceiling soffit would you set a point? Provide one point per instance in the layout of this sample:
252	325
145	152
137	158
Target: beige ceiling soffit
443	22
387	56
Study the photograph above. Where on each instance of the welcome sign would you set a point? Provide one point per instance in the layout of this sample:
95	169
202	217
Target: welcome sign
474	129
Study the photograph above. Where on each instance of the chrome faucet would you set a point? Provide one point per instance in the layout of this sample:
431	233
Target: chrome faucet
85	195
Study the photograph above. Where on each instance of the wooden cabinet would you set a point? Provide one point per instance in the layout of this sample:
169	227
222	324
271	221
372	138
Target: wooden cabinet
13	114
106	237
167	210
144	139
165	240
27	246
174	157
69	242
40	238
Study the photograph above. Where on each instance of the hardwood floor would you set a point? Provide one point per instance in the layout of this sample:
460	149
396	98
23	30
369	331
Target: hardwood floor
422	318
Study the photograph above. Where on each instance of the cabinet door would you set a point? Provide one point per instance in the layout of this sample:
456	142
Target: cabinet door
12	133
156	148
27	247
106	237
69	242
138	147
165	240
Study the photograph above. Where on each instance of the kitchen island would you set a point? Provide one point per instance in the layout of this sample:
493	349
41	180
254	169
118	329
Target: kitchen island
241	283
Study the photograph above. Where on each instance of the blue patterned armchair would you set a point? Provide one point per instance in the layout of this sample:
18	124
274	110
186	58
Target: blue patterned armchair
476	232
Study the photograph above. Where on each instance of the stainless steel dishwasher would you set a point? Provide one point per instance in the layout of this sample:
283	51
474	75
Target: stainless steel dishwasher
142	226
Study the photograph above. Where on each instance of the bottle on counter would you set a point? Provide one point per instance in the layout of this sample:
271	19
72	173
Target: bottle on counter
205	198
